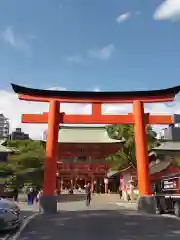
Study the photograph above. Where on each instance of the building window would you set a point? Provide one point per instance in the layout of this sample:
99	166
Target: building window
82	150
82	158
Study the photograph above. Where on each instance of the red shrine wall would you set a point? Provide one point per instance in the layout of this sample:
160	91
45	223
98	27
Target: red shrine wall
131	174
94	150
169	170
85	158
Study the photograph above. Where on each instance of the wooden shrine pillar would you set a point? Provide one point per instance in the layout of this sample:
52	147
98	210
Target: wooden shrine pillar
49	202
105	185
92	184
51	149
146	202
141	149
61	184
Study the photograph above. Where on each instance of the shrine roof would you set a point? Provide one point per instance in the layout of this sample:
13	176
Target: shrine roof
5	149
168	146
79	134
160	166
92	94
156	167
172	175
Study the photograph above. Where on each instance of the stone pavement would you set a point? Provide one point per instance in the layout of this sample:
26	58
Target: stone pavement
100	221
26	210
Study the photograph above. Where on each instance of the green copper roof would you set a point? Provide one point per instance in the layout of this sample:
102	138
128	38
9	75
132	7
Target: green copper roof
84	135
4	149
160	166
168	146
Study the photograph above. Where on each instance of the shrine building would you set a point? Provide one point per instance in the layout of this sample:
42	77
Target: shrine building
81	156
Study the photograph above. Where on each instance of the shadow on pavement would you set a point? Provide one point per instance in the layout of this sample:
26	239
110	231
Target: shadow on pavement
80	197
26	213
71	198
102	225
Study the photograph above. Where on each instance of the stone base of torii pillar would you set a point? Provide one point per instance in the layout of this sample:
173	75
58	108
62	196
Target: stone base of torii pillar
146	204
48	204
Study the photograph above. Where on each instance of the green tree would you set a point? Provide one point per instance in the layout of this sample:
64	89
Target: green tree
126	156
26	165
5	171
176	161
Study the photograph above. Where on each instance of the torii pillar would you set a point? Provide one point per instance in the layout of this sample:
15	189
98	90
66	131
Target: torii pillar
48	203
142	150
146	201
54	117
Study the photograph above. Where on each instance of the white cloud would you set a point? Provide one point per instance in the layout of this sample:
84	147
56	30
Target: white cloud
102	53
57	88
169	9
9	100
96	89
74	59
16	41
123	17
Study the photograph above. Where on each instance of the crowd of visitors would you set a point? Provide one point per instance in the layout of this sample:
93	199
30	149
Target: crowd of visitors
33	195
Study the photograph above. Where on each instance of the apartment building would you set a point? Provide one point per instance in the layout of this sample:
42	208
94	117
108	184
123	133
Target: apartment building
18	134
4	127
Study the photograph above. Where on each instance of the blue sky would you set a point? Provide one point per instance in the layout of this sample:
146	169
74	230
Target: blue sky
85	45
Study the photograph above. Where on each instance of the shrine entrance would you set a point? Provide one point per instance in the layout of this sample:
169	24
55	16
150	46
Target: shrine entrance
138	118
81	155
80	182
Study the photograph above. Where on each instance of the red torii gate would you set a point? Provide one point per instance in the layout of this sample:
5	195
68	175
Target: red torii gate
54	118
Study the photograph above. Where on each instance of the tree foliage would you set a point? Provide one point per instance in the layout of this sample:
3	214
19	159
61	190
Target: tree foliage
126	156
25	165
176	161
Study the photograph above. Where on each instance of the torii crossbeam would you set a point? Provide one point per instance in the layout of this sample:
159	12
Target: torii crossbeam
55	117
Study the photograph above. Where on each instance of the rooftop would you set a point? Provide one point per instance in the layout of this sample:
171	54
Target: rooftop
157	167
93	96
168	146
160	166
79	134
5	149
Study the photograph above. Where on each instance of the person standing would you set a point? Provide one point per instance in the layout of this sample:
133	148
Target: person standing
15	194
31	196
88	194
58	192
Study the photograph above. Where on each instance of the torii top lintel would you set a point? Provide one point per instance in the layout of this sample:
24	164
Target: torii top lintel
30	94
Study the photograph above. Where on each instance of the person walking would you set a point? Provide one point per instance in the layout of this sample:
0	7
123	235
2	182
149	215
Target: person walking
15	195
39	195
88	194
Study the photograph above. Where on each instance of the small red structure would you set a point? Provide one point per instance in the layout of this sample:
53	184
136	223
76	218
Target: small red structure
157	170
170	169
54	118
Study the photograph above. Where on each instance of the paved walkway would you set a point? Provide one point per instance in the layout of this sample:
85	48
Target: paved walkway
101	221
